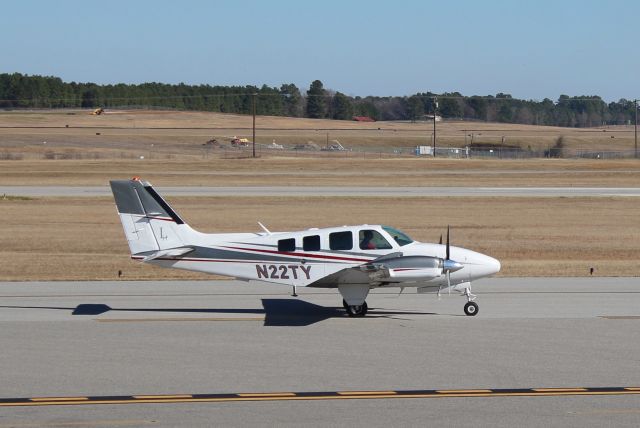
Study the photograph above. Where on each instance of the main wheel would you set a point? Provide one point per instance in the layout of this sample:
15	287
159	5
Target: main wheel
471	309
356	310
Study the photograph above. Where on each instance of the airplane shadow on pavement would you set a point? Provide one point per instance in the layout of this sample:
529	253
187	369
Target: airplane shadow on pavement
277	312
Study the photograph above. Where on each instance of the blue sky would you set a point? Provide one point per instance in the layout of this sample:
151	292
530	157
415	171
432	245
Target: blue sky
532	49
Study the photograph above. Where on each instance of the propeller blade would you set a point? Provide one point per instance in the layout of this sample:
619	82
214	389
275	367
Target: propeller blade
448	258
448	249
440	239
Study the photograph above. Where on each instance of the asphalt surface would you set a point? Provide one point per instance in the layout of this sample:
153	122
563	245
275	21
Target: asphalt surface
41	191
87	339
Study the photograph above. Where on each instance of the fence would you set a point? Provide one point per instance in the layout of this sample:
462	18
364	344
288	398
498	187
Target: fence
369	153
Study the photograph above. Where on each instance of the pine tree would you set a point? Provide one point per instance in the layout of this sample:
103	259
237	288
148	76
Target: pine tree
342	108
316	105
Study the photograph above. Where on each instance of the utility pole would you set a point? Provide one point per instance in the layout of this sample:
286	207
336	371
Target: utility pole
253	108
435	110
635	129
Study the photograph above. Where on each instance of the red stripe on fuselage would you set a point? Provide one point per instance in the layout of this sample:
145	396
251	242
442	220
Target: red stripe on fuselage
303	255
183	259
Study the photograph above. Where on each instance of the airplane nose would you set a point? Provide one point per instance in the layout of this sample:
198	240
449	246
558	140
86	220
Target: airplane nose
475	265
493	265
483	265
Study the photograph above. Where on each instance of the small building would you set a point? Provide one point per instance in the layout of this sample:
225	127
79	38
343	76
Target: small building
363	119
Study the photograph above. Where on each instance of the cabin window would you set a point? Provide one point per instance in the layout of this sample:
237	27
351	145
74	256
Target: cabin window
311	243
341	241
373	240
287	244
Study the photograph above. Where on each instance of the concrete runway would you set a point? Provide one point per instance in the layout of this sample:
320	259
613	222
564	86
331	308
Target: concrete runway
87	339
41	191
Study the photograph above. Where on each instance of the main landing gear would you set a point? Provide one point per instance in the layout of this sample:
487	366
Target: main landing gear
355	310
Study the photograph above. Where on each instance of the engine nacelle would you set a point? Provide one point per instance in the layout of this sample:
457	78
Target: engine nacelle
409	268
413	274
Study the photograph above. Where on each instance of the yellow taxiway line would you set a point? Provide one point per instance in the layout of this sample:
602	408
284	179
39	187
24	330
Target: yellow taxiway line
320	395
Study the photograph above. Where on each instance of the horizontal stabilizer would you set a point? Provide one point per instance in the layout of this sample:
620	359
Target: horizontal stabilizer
172	252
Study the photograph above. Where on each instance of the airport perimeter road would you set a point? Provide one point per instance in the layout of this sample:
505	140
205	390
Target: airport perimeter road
41	191
225	353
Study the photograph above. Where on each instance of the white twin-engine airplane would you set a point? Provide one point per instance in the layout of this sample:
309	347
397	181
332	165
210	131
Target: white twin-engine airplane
353	259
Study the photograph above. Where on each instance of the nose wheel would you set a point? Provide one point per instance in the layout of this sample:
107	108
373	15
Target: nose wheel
355	310
471	309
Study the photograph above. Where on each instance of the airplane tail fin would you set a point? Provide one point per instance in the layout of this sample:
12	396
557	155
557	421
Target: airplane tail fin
151	226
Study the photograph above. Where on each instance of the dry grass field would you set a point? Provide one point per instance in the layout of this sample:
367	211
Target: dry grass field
81	239
170	135
274	171
67	238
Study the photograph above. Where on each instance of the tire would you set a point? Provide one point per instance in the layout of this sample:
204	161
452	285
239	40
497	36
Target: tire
471	309
356	311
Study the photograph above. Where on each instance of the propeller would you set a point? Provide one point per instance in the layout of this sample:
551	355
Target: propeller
449	265
447	259
448	246
444	265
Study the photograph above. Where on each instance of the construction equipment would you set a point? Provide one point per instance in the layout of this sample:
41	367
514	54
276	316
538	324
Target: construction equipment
335	146
239	142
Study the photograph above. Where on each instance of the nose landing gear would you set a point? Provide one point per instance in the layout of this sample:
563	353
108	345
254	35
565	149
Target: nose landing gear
471	307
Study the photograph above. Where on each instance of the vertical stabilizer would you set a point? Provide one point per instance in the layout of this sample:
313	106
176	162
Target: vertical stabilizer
149	222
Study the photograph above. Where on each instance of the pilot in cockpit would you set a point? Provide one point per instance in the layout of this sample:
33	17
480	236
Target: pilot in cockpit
366	242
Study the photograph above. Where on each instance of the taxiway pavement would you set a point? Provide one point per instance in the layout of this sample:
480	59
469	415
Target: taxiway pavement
70	339
329	191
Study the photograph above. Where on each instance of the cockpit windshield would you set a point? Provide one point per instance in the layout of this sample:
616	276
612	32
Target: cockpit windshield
401	238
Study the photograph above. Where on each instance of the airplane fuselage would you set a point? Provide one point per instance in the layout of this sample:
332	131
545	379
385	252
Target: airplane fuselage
262	257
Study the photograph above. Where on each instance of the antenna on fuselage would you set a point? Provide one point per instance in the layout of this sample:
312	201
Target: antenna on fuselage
265	229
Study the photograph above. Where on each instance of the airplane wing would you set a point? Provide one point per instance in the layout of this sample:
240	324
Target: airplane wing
391	268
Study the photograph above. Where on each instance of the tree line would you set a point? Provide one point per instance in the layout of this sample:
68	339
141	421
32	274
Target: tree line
25	91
